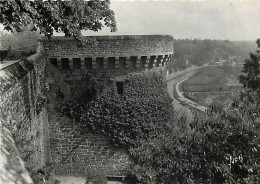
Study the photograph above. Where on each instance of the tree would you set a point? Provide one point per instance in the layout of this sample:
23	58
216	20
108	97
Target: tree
69	17
251	79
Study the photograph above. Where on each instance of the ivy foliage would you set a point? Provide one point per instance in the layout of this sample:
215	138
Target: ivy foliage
141	111
69	17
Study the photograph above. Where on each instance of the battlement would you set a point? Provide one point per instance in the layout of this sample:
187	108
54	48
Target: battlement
126	52
30	89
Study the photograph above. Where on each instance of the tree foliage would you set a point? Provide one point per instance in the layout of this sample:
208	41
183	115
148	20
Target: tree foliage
69	17
220	148
251	70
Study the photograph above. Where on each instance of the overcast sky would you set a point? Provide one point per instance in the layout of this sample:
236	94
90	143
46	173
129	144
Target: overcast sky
213	19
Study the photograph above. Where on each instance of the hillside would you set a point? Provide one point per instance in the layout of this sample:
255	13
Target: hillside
198	52
213	84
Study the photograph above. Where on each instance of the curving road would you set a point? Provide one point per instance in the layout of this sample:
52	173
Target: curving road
187	101
181	103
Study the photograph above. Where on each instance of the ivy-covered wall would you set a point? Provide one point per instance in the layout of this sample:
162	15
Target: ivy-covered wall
75	149
94	127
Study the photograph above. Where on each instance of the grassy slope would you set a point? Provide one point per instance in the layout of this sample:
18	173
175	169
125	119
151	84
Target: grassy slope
216	78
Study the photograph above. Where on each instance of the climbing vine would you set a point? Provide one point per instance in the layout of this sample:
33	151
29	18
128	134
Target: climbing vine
127	119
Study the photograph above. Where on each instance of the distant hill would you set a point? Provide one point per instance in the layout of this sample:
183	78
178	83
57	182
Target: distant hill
246	47
198	52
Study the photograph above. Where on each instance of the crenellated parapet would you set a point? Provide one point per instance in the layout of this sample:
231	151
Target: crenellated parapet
113	53
32	90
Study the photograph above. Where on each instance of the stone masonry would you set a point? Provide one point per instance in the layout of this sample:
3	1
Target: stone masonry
41	134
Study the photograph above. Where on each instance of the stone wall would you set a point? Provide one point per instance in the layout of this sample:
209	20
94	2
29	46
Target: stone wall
74	150
109	55
12	168
29	93
110	46
77	152
23	108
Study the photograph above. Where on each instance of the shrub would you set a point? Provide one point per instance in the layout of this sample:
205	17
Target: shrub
220	148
